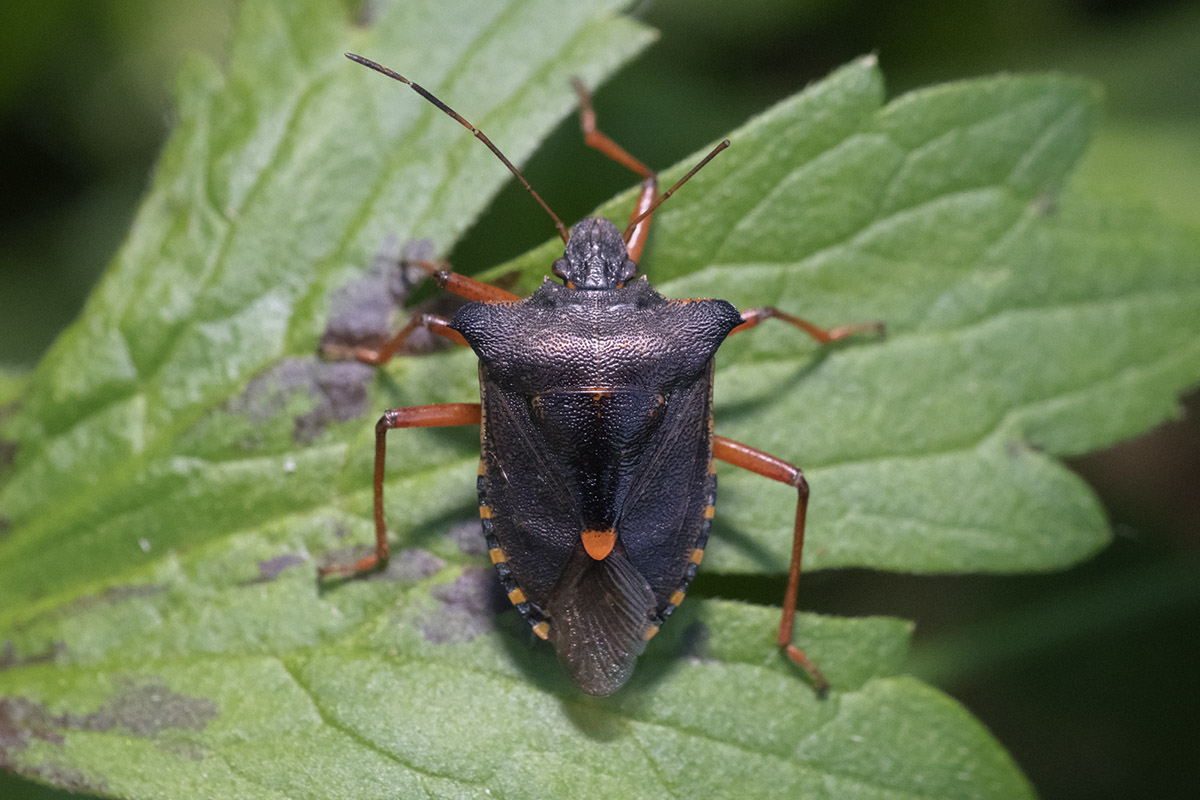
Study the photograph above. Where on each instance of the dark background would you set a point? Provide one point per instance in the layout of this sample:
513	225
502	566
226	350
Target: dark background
1089	677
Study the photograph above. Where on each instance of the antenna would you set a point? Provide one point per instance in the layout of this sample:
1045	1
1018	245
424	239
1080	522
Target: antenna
663	197
421	90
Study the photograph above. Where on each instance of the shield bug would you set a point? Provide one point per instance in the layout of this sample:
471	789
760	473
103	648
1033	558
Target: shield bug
596	479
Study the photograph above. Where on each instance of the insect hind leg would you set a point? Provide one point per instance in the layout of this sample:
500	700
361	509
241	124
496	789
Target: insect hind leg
776	469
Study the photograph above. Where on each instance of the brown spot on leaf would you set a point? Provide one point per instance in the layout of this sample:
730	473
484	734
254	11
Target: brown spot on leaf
111	596
1046	204
405	566
1017	450
409	566
365	311
80	605
368	14
21	721
146	709
467	607
67	778
337	392
370	309
469	538
143	708
9	659
269	569
341	392
8	453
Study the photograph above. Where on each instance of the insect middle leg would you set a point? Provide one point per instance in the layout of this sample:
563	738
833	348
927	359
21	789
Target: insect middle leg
436	416
776	469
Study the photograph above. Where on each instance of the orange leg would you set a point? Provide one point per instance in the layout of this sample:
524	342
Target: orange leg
769	466
438	416
452	282
754	316
635	236
635	239
463	286
379	357
648	199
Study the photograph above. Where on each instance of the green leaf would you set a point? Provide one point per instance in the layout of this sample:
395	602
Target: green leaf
12	384
1152	164
1022	320
180	460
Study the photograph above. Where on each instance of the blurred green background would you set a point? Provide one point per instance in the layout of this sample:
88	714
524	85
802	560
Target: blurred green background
1089	676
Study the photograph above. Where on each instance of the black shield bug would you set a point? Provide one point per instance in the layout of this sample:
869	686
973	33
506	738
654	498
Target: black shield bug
597	481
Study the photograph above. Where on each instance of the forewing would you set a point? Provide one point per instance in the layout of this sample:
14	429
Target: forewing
533	515
662	519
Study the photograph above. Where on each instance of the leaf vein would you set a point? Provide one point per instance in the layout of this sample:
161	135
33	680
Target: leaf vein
358	738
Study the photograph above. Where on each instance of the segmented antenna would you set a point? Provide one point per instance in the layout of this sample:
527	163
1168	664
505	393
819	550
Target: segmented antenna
663	197
480	135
